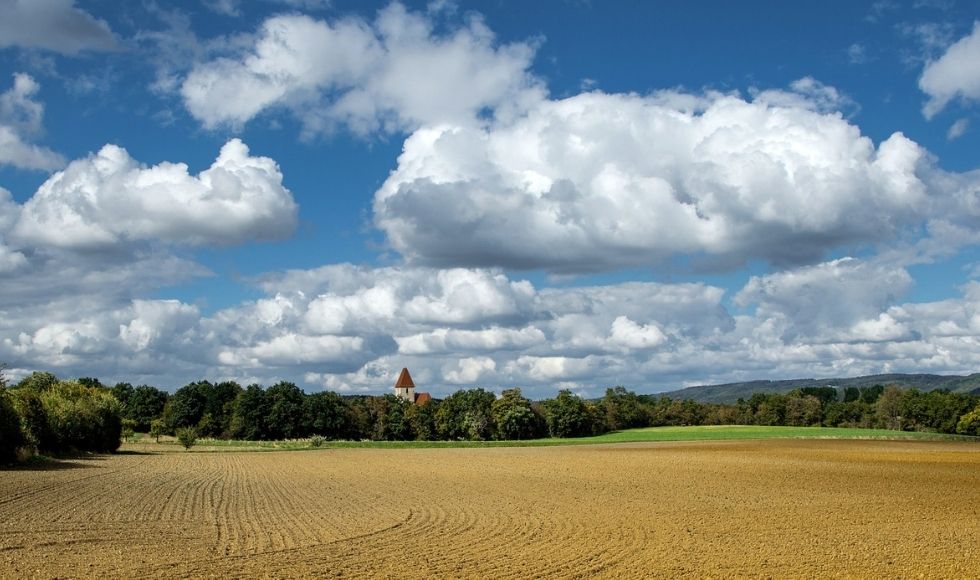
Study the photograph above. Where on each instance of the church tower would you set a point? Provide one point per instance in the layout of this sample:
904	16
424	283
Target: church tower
404	387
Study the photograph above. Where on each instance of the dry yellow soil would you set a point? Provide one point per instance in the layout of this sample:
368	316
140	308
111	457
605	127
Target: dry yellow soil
778	508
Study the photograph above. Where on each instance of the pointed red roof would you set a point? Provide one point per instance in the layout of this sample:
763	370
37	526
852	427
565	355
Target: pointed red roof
404	381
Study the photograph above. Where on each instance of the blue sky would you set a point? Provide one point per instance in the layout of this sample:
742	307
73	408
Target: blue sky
548	195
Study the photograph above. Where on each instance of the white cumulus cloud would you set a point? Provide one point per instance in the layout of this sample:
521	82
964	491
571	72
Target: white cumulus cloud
818	301
955	74
631	335
109	198
20	121
393	73
602	181
468	370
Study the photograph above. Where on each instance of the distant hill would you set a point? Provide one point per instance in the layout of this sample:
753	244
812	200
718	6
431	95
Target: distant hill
731	392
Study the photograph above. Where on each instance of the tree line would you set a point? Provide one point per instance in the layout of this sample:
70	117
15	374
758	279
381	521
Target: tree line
48	415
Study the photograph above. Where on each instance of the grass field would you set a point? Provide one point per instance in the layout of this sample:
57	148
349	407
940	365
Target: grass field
696	433
751	507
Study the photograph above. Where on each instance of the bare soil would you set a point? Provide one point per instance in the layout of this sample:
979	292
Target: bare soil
781	508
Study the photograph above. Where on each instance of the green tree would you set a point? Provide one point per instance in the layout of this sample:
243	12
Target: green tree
122	392
157	428
285	418
90	382
969	424
568	415
466	414
935	411
721	415
38	381
870	394
358	422
854	413
144	404
219	405
803	410
325	414
826	395
389	418
249	417
888	408
623	409
128	429
422	420
186	407
513	416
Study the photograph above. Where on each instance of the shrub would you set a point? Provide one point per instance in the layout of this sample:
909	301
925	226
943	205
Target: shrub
68	416
317	440
128	429
34	420
969	424
157	428
11	436
187	436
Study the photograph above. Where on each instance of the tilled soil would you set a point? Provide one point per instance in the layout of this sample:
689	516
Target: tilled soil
813	508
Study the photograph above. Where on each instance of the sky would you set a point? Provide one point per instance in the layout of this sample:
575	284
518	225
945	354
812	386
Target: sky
548	195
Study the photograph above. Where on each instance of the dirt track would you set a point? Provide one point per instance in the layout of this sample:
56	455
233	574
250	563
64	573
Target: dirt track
780	508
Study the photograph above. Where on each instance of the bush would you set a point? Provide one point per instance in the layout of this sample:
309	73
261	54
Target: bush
317	440
68	416
187	436
34	420
969	424
157	428
11	436
128	429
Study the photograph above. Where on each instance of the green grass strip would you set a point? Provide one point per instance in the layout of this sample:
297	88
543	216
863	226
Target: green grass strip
650	434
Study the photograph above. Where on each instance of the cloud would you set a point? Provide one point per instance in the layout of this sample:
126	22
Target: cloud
646	336
957	129
55	25
21	118
224	7
10	259
857	53
604	181
631	335
468	370
817	301
108	199
956	74
81	255
450	340
304	4
553	368
294	349
391	74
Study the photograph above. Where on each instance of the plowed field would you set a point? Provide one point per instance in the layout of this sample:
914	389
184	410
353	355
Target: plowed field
773	508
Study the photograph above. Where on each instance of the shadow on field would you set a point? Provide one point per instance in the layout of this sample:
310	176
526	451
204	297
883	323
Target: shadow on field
48	463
